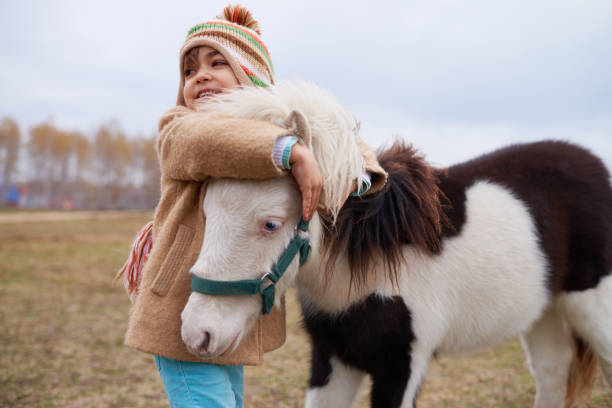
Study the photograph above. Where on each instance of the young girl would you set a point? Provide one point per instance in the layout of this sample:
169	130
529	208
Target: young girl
193	146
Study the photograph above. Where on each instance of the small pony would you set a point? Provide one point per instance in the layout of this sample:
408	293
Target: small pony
517	242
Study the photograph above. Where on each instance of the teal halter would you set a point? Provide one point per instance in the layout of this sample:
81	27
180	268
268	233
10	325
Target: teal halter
255	286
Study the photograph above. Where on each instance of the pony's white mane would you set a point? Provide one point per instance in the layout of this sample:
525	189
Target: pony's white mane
333	129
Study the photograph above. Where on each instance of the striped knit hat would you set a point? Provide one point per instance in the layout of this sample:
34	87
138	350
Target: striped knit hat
237	37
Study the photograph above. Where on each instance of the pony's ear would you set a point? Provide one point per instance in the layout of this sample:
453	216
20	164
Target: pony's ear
298	124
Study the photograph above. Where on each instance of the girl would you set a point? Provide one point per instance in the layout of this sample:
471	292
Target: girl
193	146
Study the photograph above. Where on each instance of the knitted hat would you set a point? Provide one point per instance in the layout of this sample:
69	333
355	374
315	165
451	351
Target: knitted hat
237	37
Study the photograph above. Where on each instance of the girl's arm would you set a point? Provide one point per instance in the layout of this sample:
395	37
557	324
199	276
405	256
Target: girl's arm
371	181
195	145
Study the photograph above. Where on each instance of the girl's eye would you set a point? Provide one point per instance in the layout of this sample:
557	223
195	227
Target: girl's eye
189	72
219	62
272	226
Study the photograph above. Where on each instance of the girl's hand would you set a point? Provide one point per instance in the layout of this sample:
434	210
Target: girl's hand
307	174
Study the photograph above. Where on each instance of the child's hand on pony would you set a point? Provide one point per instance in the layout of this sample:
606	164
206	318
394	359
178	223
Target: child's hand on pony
307	174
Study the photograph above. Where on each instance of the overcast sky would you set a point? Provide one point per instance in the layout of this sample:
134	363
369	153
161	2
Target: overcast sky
456	78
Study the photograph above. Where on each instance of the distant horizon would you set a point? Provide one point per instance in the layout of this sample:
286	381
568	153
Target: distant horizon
436	152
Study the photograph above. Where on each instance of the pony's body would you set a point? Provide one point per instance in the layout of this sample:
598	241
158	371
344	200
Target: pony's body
527	251
518	242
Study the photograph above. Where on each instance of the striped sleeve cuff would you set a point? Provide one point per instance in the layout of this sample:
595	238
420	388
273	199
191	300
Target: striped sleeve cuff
366	183
282	151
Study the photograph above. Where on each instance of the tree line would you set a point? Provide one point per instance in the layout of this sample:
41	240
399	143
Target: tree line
48	167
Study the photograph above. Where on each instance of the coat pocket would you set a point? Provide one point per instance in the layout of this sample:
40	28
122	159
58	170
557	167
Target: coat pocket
172	264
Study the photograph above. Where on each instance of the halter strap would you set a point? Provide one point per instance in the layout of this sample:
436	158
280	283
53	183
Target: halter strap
254	286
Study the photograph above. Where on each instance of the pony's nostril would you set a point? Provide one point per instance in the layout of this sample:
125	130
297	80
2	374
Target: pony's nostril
205	342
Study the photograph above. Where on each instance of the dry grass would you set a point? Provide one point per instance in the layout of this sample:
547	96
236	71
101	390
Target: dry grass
62	321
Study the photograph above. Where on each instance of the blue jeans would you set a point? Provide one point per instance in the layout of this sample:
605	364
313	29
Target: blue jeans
195	385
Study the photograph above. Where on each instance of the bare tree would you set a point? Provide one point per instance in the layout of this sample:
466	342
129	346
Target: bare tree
82	152
152	172
145	168
61	150
112	157
9	150
41	161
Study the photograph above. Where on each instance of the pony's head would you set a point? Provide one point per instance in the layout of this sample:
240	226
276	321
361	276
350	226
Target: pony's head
250	223
248	226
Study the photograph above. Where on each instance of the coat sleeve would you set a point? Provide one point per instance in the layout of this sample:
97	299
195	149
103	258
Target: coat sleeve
377	173
195	145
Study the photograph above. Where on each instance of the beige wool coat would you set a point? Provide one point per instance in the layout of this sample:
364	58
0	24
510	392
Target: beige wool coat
192	148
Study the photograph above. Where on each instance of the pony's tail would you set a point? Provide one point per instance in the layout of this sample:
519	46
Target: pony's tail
582	375
131	271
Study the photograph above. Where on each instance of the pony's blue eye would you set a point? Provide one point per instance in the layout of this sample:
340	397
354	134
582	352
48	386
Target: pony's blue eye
272	226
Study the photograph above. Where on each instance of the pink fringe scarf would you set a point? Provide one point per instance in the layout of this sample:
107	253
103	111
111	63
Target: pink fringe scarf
131	272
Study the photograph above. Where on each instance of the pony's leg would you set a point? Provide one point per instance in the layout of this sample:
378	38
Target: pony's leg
397	386
589	313
387	391
333	383
549	355
420	358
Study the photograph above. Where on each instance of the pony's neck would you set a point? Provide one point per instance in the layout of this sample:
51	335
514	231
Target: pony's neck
331	291
365	251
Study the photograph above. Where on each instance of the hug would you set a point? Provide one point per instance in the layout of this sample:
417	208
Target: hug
401	262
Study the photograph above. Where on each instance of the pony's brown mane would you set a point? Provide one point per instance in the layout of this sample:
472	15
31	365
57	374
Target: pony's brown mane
407	210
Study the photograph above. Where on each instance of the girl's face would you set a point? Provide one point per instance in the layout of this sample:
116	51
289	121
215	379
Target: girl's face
207	73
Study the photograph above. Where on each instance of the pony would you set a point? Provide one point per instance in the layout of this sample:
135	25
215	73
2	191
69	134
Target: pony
517	242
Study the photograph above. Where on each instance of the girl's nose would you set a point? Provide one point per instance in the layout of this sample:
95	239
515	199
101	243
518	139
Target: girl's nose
203	76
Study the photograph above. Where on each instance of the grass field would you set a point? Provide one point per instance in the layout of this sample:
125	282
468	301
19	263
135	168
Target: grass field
62	321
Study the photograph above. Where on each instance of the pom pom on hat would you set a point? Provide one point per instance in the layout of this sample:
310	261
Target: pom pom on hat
240	15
